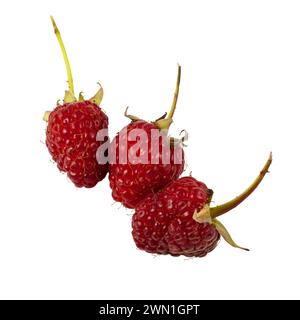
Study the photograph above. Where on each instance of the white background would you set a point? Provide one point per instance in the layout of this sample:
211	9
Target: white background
239	99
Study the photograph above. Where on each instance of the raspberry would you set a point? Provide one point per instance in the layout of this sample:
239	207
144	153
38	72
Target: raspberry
71	133
163	223
132	181
178	220
71	141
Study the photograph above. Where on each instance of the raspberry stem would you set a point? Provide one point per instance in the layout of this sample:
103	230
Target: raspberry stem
173	108
223	208
64	52
165	123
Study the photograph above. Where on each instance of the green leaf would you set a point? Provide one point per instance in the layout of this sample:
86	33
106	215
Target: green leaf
69	97
225	234
97	98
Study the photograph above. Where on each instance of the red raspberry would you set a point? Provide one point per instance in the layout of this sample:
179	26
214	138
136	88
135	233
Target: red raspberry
71	141
71	133
178	220
132	181
163	223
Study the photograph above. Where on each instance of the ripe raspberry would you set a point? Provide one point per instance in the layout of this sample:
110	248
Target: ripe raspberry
132	180
71	133
71	141
178	220
163	223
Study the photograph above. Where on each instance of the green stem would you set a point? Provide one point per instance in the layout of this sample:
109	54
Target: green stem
219	210
173	108
165	123
64	52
